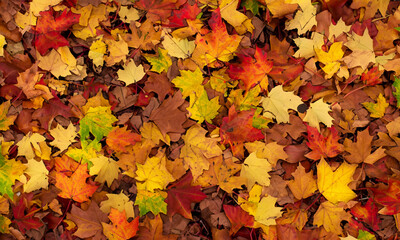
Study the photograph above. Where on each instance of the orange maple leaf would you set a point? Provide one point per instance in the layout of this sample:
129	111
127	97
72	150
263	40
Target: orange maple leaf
120	229
322	146
75	187
119	138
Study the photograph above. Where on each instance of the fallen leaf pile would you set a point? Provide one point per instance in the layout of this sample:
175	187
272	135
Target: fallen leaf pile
199	119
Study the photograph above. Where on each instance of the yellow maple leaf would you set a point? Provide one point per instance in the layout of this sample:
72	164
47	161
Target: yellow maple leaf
120	202
151	131
97	51
377	109
330	58
63	137
153	174
29	141
304	184
330	215
238	20
256	170
37	6
198	149
89	20
105	168
251	203
118	50
333	184
271	151
38	176
180	48
6	121
266	212
131	73
304	20
318	112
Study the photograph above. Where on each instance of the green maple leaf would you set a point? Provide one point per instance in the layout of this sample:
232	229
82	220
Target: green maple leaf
252	5
248	101
161	62
189	82
151	202
97	121
84	154
396	86
203	109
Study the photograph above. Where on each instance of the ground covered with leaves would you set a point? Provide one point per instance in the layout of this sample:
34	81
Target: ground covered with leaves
199	119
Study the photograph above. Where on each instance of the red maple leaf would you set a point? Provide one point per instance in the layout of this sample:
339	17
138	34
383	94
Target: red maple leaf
26	221
180	196
238	218
178	17
367	213
49	28
372	77
388	197
159	10
237	128
323	146
251	71
50	110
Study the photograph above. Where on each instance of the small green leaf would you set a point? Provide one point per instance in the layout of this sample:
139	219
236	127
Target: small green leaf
97	121
151	202
396	93
161	62
252	5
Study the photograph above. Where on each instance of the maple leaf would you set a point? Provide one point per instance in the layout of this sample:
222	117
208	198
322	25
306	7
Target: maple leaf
118	50
360	151
304	20
330	215
120	229
266	212
216	45
26	221
161	62
6	121
274	107
237	128
63	137
334	184
318	112
84	154
367	213
65	164
388	197
38	176
49	28
202	109
322	146
145	37
186	12
120	201
105	168
271	151
88	221
180	196
378	109
75	187
119	138
153	229
252	71
248	101
198	149
10	170
4	224
180	48
159	10
372	77
294	216
330	58
98	121
97	51
256	170
28	144
250	204
304	184
51	109
131	73
396	93
222	173
238	218
190	82
151	202
153	174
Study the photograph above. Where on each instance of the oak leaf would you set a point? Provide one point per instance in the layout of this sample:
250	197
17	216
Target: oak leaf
180	196
75	187
334	184
120	229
